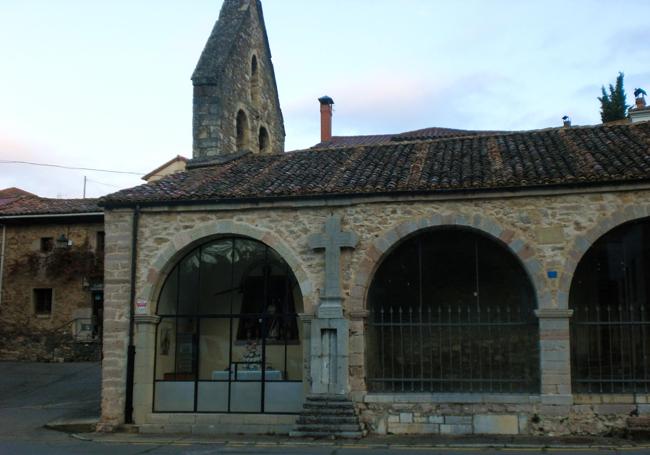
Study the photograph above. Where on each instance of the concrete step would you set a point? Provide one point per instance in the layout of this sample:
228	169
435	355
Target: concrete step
327	419
327	397
328	405
318	427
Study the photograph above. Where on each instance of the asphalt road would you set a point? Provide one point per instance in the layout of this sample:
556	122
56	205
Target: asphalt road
32	395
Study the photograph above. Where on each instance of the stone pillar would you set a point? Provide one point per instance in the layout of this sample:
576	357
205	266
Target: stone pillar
329	355
306	319
117	288
145	353
555	356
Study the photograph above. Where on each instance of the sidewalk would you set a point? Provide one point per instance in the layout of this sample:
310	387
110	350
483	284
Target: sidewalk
380	442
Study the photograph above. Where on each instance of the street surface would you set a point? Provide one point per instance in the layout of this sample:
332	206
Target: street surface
32	395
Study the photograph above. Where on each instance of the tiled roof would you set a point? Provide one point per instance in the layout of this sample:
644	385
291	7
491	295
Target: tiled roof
542	158
33	205
378	139
9	195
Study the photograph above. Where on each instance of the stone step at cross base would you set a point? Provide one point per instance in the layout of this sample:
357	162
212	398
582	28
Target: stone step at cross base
328	416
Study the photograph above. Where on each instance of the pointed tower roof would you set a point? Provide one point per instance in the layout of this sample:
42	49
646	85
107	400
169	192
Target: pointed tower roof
233	17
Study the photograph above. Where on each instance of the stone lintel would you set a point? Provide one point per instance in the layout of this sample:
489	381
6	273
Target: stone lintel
553	313
142	319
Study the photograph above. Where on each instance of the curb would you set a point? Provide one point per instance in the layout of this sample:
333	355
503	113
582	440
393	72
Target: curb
228	442
73	425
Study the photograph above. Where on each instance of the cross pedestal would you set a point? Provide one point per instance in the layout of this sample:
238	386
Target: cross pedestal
330	332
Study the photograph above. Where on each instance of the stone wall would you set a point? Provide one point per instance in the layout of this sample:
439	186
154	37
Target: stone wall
541	230
71	295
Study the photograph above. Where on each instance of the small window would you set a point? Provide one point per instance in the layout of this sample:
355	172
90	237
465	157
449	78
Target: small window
47	244
263	140
101	241
43	301
242	131
255	81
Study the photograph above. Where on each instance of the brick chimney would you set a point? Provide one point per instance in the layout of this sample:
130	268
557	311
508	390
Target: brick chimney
325	118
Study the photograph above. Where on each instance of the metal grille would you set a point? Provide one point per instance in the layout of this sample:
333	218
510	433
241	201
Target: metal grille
452	311
610	349
454	349
611	301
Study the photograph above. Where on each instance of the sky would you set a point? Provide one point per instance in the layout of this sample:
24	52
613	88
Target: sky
106	85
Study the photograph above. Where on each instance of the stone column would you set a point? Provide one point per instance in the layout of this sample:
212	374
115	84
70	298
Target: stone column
555	356
117	288
145	353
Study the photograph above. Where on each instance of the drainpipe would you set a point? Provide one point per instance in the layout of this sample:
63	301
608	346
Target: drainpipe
2	259
130	362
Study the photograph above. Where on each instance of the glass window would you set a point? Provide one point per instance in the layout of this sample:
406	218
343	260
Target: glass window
228	329
43	301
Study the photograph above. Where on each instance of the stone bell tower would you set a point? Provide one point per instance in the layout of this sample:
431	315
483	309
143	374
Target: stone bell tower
236	104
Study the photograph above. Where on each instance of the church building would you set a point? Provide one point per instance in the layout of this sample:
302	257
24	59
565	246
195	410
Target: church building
436	281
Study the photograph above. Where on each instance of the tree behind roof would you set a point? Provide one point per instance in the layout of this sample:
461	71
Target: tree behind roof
612	104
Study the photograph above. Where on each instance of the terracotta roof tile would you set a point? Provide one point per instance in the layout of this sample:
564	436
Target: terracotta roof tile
552	157
43	206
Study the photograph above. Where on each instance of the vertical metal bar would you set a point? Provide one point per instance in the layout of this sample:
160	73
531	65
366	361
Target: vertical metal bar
588	339
631	337
611	348
411	348
421	289
431	350
460	346
621	344
480	345
382	344
440	362
451	348
471	347
489	344
507	334
265	326
392	350
421	324
644	341
600	350
499	344
232	283
401	336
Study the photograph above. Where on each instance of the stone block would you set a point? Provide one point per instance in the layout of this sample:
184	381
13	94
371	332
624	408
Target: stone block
406	417
458	420
393	418
436	419
496	424
455	429
523	423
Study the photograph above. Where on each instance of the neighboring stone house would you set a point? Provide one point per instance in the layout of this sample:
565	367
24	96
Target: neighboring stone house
176	164
440	281
51	279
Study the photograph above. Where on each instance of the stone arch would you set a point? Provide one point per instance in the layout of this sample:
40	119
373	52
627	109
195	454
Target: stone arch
242	130
185	241
384	245
583	242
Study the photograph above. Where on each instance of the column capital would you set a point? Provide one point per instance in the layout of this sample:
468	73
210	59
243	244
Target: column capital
553	313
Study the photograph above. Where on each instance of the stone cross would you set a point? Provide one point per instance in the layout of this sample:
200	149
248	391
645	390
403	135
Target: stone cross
332	240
